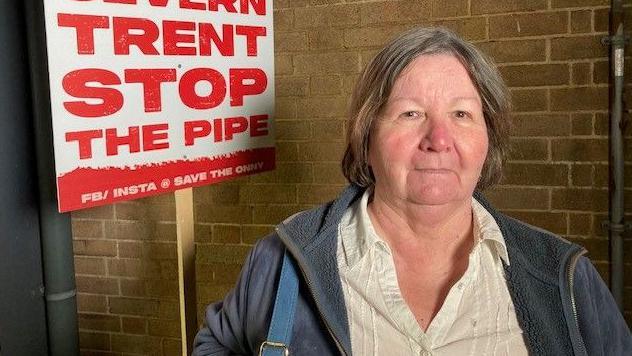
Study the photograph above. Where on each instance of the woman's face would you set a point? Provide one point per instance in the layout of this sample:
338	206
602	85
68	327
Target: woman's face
429	143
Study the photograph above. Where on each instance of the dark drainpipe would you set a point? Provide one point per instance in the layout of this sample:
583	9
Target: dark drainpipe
56	235
616	225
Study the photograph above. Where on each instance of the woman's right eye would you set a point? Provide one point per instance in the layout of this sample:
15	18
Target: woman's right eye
411	114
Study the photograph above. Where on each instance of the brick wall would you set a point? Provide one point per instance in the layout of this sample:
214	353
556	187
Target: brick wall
547	50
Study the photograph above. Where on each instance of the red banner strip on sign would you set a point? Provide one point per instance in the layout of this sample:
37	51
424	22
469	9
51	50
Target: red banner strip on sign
78	189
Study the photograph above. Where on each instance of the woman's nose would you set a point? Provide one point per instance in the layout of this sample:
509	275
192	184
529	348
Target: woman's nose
437	136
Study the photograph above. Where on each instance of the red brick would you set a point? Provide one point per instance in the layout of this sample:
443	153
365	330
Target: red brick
160	251
529	100
531	24
292	130
140	210
506	198
283	20
580	199
130	249
93	340
287	172
321	152
290	42
171	347
89	265
328	173
575	99
541	125
492	6
597	248
91	303
324	39
169	310
277	193
326	107
579	150
578	3
286	151
132	288
226	234
471	29
134	306
139	344
285	108
222	214
515	51
97	285
252	233
99	322
601	71
318	194
535	174
210	294
125	267
163	289
291	86
101	212
226	273
529	150
580	224
329	130
449	8
326	16
94	247
133	325
283	64
88	229
274	214
581	73
582	47
214	253
321	63
325	85
535	75
582	175
396	11
553	222
225	194
164	328
582	124
581	21
370	36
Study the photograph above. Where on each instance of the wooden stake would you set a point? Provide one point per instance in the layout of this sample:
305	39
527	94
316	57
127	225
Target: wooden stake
186	268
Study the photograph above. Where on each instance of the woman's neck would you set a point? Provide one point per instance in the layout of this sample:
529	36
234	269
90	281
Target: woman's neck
438	232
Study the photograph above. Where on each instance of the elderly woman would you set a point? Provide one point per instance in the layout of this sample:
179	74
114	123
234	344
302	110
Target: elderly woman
410	259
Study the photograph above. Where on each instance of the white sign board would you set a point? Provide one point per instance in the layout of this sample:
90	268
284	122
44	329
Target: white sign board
150	96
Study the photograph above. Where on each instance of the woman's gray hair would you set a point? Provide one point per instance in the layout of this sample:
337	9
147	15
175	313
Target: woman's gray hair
374	87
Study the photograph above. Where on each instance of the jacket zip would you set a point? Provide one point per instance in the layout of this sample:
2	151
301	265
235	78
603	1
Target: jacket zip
571	279
309	283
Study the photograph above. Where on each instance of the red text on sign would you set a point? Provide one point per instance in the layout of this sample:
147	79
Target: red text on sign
80	83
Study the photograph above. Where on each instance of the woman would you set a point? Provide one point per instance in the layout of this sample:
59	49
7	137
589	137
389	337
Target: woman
410	259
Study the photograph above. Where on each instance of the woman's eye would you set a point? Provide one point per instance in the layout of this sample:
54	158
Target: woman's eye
461	114
411	114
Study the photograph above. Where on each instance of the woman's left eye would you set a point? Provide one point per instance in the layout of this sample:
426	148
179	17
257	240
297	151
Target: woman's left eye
459	114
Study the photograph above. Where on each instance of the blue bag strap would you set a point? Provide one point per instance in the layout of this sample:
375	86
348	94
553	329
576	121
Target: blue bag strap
280	331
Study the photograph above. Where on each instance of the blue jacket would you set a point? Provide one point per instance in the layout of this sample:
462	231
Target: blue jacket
561	302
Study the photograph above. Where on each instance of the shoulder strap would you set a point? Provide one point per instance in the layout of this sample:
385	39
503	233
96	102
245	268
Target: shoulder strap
280	331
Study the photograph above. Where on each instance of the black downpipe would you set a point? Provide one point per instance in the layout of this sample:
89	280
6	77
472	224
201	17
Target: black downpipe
616	225
56	232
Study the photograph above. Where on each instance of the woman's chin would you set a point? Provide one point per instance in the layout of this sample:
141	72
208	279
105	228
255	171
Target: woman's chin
434	195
